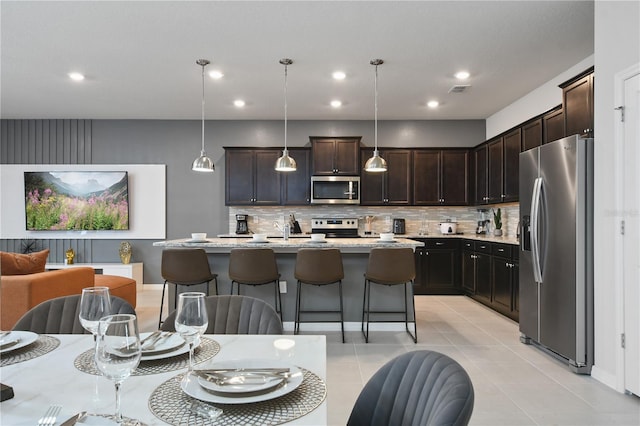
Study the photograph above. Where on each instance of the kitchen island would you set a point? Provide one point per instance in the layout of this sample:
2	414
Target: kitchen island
355	254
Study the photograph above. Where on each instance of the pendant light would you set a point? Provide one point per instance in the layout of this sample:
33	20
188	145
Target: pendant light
203	163
285	163
376	163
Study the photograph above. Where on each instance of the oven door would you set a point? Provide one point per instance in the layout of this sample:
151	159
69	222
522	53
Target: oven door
335	190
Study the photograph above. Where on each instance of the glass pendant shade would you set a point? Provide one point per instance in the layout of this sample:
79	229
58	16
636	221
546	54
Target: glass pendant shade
376	164
203	163
285	163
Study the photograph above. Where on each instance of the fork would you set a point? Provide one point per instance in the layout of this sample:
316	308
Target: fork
49	417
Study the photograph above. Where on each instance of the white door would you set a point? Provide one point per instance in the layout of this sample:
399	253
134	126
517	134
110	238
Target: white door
631	239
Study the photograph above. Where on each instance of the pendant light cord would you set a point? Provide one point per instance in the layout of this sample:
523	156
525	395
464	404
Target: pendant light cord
375	86
285	107
203	65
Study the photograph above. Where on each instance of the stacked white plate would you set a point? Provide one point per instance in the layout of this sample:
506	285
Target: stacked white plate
169	345
16	340
242	387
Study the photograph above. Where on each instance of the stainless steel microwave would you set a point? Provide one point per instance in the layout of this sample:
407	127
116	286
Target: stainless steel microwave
335	189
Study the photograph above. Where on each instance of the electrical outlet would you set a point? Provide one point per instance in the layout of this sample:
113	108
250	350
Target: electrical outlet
283	286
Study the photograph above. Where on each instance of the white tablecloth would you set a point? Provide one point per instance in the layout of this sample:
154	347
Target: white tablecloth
53	379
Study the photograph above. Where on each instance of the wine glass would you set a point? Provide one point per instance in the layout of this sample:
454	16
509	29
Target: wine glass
118	353
95	303
191	320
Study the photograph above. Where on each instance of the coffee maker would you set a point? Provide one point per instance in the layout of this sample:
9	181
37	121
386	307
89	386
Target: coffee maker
242	226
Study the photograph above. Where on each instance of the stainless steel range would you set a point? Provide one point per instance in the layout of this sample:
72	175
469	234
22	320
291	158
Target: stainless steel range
335	228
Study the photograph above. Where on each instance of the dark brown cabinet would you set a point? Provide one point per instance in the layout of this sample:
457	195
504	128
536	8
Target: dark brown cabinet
392	187
511	164
441	177
577	101
251	178
504	279
553	125
494	170
482	252
296	186
479	163
532	134
336	156
438	267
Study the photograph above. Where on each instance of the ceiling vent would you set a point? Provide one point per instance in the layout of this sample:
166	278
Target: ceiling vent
459	88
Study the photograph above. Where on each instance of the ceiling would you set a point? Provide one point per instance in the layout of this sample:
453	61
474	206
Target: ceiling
139	57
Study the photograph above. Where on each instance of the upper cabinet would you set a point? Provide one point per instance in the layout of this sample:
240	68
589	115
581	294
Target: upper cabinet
577	100
251	178
553	125
479	164
532	134
392	187
441	177
336	156
511	165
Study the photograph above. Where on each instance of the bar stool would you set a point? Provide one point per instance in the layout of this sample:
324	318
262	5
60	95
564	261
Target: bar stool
389	266
185	267
318	267
255	267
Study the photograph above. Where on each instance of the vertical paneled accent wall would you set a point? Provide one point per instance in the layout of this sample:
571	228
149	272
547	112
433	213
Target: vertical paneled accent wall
46	142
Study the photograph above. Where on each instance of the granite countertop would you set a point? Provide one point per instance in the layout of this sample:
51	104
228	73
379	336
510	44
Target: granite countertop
477	237
354	245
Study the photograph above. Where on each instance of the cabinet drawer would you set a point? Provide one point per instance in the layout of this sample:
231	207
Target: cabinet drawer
442	243
502	250
468	245
483	247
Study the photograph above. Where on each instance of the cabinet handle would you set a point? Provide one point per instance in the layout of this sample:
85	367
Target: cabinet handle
483	247
500	249
439	244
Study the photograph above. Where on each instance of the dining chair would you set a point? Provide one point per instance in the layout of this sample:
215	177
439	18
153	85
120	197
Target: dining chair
390	267
61	315
185	267
234	314
255	267
416	388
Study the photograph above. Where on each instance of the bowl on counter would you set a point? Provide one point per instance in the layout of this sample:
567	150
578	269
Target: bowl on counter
259	237
317	237
199	236
386	236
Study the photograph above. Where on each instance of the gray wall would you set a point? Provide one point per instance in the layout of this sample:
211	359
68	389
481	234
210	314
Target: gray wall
195	201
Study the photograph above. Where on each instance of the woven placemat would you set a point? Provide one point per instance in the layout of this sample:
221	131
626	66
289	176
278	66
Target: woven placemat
171	405
207	349
43	345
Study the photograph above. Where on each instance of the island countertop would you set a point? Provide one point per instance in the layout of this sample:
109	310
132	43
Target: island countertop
280	245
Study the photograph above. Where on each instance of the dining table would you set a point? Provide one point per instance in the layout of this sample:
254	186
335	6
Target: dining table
63	376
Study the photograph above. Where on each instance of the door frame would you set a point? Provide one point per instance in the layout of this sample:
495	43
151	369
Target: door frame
620	163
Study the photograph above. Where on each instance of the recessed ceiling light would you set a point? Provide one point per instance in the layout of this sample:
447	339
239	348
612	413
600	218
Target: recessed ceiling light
76	76
216	74
433	104
339	75
239	103
336	104
462	75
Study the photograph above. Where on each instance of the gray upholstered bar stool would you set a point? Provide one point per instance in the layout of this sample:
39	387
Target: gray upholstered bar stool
255	267
390	267
319	267
185	267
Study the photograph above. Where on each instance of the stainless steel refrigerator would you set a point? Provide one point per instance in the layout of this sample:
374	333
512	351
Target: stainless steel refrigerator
556	250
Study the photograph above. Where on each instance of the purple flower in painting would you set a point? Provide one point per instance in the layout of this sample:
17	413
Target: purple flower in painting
47	191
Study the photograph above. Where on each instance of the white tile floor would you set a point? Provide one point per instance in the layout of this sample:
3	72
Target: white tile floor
514	384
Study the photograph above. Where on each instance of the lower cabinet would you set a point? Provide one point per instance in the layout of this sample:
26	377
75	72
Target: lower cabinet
490	275
438	267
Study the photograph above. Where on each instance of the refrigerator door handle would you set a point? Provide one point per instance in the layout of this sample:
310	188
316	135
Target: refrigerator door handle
535	217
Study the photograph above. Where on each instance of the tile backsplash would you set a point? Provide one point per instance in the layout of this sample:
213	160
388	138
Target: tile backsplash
418	220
